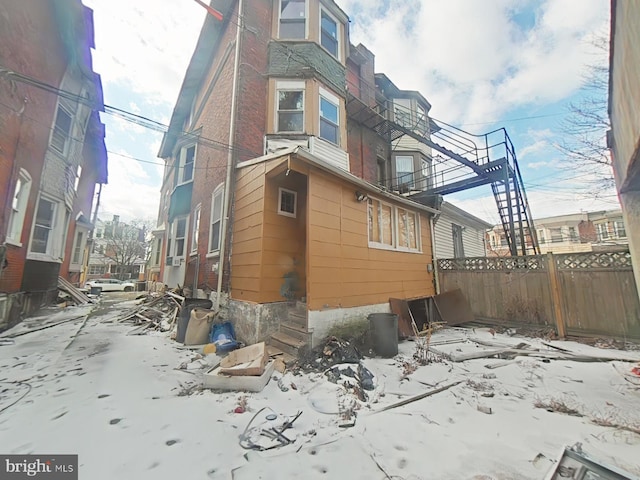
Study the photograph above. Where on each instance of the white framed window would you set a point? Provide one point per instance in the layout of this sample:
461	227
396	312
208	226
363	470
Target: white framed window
78	248
77	181
393	228
619	228
97	269
43	229
541	237
180	237
158	251
329	33
404	169
603	231
19	207
287	202
216	219
61	130
380	223
290	107
187	163
195	229
402	112
407	227
293	19
329	117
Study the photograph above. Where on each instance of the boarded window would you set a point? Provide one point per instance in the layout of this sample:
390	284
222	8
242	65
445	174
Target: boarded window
380	222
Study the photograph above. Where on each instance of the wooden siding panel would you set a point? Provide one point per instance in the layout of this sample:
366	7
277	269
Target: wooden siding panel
343	270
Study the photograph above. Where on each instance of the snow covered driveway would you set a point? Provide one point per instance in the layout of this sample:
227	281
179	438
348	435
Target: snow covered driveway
85	387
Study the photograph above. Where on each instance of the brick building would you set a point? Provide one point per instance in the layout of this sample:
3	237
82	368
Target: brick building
52	151
287	177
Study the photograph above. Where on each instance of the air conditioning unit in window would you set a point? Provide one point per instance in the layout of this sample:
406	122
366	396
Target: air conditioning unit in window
177	261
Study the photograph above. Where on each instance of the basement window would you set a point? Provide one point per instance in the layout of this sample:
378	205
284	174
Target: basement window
287	202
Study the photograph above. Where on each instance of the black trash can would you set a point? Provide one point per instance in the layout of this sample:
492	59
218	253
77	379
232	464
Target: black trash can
384	333
95	290
183	321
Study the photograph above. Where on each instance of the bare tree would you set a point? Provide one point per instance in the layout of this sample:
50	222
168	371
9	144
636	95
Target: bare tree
585	127
126	246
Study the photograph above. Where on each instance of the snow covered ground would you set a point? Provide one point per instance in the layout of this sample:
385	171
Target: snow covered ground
120	402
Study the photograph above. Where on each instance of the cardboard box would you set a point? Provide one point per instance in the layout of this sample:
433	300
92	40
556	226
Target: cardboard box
248	361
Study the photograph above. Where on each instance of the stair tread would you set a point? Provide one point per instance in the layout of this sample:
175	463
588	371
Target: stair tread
296	326
275	352
288	340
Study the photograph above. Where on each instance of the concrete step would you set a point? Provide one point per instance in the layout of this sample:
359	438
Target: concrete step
296	330
298	318
286	343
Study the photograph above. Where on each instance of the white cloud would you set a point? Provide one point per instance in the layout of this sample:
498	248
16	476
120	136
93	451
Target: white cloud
130	193
471	59
146	44
536	165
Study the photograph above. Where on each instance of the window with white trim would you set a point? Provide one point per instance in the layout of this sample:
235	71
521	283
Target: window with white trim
329	33
77	181
293	19
19	206
180	237
619	228
97	269
61	130
287	200
393	227
158	251
78	247
329	117
603	231
187	162
380	223
404	169
45	222
290	107
216	219
195	229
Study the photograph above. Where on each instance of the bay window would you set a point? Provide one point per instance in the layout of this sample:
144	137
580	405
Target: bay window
329	117
329	33
293	19
290	114
404	169
61	130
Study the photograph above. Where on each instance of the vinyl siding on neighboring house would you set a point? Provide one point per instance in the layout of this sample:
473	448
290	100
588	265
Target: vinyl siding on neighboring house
472	238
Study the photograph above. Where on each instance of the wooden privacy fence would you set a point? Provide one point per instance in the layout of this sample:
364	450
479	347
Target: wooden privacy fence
591	293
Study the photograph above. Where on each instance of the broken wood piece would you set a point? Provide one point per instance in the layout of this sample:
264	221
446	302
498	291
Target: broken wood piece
419	397
175	296
503	363
247	361
142	317
546	344
44	327
483	409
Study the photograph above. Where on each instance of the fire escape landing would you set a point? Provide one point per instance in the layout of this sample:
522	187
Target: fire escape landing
463	161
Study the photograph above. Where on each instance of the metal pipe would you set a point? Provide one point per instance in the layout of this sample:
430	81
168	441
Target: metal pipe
230	157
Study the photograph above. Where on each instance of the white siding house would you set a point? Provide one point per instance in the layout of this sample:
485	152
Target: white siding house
459	234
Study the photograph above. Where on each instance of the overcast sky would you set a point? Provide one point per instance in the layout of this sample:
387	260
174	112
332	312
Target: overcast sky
481	64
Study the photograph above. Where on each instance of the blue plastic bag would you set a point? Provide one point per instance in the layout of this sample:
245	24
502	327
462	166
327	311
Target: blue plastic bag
224	337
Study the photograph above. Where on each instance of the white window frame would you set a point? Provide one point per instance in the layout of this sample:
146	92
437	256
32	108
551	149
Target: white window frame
195	229
157	252
19	203
285	213
289	86
56	239
78	247
218	192
394	246
182	163
335	101
618	225
67	135
603	231
338	55
406	227
306	22
412	179
174	243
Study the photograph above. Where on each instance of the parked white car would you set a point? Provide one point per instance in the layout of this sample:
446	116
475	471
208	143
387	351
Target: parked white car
111	285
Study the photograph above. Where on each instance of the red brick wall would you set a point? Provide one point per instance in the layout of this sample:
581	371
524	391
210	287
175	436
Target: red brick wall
215	119
30	44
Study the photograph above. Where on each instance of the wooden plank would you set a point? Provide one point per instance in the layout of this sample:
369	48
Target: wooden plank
556	296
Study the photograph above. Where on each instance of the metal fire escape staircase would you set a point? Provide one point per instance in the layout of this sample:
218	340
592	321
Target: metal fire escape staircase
463	161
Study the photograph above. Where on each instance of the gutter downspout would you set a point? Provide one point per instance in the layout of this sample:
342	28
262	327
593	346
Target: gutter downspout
230	157
432	221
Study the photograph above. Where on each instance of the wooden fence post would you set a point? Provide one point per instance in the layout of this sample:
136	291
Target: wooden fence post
554	282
